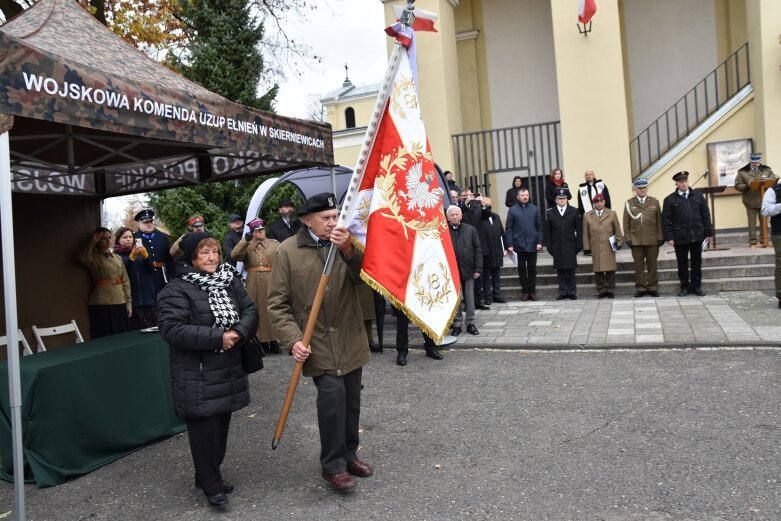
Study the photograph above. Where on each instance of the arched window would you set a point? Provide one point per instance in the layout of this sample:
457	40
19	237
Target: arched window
349	117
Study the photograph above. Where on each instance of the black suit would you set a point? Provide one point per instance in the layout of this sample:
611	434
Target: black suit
280	230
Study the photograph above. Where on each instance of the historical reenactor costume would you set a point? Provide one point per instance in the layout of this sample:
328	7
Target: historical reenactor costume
771	207
525	237
194	224
752	199
339	348
257	252
643	233
563	238
110	303
158	245
232	238
587	191
287	225
602	236
687	223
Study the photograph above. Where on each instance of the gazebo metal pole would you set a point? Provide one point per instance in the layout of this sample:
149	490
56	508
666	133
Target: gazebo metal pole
11	324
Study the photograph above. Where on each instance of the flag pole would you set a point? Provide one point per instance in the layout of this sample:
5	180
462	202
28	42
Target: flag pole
348	205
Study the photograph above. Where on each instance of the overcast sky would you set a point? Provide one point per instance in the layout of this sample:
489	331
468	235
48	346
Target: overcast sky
341	31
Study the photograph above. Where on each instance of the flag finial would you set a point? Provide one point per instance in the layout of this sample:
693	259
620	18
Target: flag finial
408	16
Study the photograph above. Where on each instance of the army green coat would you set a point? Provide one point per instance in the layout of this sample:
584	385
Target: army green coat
752	198
596	233
643	222
339	342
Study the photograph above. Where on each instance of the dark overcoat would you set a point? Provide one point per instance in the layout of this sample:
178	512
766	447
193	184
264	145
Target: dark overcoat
159	248
686	220
469	254
563	237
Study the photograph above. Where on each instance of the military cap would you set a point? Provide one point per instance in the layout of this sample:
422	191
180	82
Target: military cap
756	157
563	192
190	241
681	176
640	183
318	203
195	220
598	197
235	217
285	202
147	214
255	224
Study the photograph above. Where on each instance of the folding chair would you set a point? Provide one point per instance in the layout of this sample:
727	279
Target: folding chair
41	332
22	340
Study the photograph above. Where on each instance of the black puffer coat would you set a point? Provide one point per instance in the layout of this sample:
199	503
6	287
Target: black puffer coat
205	381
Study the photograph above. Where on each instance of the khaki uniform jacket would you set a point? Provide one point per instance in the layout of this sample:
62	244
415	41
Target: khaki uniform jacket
643	222
253	254
339	342
596	233
106	267
752	198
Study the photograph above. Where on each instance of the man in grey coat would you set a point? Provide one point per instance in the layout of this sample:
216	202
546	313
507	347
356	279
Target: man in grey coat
469	257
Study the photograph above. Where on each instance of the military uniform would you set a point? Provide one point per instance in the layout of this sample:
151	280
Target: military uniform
158	245
597	230
110	298
643	232
258	258
752	199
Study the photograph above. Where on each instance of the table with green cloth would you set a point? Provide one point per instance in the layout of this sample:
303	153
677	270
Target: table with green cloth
86	405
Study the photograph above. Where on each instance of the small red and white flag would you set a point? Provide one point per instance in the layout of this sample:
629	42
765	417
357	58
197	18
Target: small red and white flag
424	20
586	10
398	217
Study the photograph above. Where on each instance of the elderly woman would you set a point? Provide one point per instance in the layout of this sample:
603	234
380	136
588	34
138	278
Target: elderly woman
136	259
109	301
205	315
257	253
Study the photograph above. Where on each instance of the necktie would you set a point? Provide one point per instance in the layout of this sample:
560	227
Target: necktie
686	195
323	243
599	214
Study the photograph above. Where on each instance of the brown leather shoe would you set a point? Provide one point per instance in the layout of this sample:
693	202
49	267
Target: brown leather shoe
341	481
360	469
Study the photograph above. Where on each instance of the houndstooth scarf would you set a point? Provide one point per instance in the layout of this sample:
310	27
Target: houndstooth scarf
216	284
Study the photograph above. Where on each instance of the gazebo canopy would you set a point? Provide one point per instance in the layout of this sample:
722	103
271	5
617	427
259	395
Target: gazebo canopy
92	115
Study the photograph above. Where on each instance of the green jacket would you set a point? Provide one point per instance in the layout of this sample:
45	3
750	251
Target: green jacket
339	342
752	198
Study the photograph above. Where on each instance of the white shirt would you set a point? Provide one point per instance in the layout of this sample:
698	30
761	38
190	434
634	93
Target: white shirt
562	209
641	201
683	194
599	213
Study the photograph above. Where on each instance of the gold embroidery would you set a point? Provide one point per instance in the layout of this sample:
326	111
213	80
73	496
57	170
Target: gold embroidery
437	286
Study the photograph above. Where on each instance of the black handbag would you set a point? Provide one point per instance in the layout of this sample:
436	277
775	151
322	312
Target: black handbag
252	355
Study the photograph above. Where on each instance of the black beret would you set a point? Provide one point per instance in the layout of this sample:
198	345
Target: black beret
190	242
681	176
146	214
318	203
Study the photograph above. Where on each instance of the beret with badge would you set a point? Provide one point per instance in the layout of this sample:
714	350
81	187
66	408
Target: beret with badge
318	203
598	197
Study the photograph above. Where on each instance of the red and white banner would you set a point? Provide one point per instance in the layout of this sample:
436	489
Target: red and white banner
586	9
398	217
424	20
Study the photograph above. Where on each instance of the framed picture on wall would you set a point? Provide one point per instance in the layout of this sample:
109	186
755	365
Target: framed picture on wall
725	158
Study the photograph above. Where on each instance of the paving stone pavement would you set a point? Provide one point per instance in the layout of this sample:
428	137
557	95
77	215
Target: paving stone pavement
731	318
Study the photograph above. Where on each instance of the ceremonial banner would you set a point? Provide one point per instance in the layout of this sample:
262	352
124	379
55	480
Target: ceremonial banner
586	10
424	20
398	217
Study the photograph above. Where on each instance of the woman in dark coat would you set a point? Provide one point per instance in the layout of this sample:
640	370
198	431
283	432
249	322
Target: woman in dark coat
555	180
137	262
512	193
206	315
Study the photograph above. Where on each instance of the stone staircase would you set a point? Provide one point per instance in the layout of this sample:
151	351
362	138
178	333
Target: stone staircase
737	267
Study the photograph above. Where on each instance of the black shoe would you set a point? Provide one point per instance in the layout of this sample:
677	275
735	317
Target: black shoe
500	300
683	292
401	358
654	293
455	331
374	348
265	348
533	297
641	294
433	352
602	295
472	330
610	294
779	303
217	500
561	297
572	297
273	346
482	306
698	292
227	487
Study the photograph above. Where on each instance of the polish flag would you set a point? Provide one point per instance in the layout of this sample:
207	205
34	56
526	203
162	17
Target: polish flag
586	10
424	20
398	216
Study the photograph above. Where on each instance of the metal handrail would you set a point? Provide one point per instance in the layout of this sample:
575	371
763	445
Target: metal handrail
677	122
